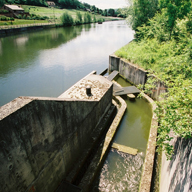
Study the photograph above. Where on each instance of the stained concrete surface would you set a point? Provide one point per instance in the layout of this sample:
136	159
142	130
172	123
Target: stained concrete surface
41	139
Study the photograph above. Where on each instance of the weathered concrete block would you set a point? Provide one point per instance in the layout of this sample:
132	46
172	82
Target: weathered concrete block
41	139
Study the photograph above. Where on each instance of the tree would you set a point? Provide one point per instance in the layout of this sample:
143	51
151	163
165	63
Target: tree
87	18
105	12
140	11
67	19
79	19
69	3
93	8
111	12
175	9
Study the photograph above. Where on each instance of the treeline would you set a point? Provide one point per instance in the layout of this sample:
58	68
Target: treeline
24	2
163	46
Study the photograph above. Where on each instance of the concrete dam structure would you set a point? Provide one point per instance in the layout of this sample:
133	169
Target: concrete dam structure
42	139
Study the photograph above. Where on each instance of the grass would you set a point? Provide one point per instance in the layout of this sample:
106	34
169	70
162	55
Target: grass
56	13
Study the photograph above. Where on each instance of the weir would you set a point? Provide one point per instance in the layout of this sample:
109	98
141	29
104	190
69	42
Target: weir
50	143
59	144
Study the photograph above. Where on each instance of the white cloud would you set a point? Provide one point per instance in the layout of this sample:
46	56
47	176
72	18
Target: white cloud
107	3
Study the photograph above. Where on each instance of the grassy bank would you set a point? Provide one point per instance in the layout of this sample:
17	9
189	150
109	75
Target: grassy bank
54	15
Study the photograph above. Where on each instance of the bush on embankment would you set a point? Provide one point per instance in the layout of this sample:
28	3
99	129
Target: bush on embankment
165	49
67	19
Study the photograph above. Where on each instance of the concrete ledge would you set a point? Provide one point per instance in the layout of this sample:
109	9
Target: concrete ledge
145	183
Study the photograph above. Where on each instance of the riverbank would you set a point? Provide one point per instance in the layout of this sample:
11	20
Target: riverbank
15	29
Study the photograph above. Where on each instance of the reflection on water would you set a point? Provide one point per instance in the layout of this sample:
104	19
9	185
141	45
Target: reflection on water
120	173
48	62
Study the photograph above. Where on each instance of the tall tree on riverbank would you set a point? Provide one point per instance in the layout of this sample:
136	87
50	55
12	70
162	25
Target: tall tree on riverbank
140	11
175	9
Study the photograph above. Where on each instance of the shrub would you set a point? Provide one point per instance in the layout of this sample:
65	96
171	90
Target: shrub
79	19
4	18
19	17
24	17
67	19
87	18
3	11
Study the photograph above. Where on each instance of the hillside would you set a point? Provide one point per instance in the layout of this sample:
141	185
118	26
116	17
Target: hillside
49	15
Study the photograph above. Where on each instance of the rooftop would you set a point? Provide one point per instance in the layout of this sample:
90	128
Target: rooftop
14	7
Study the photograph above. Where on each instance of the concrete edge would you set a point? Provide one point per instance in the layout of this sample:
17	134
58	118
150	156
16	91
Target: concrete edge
113	128
20	102
125	60
99	158
145	184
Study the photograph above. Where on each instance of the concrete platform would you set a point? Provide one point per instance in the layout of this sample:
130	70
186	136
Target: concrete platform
126	90
112	75
125	149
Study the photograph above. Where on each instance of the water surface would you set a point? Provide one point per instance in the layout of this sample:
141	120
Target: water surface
48	62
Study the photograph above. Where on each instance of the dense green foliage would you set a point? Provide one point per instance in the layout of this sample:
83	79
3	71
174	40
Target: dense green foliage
4	18
26	2
174	10
87	18
72	4
140	11
170	60
67	19
79	18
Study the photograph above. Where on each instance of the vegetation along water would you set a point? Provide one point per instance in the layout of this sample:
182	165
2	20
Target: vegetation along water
163	46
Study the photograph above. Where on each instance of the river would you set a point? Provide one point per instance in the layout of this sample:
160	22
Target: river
48	62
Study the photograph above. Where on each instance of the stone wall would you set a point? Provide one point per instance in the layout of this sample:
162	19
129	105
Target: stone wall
41	139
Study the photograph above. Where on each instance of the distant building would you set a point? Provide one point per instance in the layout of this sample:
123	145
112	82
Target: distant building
51	3
85	9
13	9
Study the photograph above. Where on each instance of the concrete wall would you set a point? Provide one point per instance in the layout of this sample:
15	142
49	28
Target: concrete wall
134	74
176	174
42	138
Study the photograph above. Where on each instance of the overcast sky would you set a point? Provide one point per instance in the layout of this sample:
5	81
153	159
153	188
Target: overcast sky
106	4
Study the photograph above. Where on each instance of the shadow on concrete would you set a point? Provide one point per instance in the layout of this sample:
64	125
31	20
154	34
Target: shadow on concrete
180	165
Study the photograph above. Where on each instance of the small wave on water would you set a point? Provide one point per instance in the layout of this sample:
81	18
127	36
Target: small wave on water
120	172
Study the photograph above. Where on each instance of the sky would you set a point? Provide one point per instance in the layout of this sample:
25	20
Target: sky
106	4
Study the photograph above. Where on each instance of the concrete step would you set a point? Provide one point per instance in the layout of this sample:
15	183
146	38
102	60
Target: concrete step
125	149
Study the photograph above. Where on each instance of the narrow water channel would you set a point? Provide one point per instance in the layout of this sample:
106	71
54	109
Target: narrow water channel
122	172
